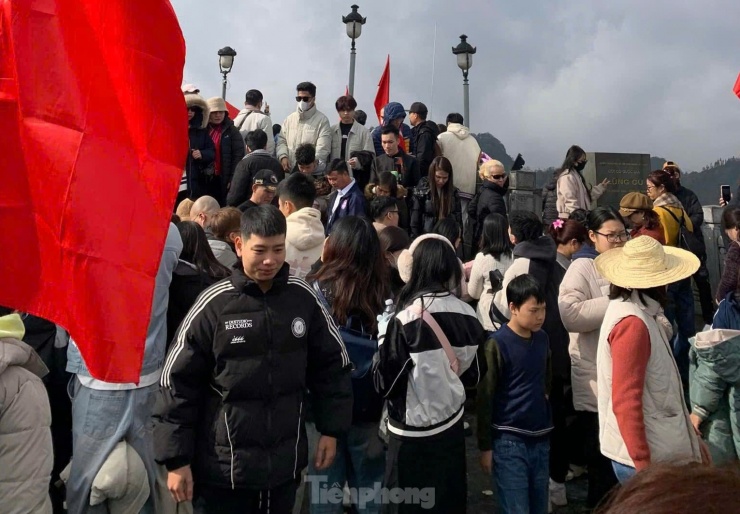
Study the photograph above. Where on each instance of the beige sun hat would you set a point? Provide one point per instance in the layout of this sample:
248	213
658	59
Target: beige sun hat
643	263
216	104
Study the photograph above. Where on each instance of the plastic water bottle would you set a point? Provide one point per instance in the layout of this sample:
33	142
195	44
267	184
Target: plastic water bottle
384	319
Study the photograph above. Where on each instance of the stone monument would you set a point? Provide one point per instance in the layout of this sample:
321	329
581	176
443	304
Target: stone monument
626	173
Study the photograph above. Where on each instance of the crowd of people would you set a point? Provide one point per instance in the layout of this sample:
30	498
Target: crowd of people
318	326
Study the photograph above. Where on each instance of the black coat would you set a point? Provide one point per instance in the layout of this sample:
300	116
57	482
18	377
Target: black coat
409	168
232	401
246	169
233	150
187	283
550	201
425	135
423	215
199	184
490	201
694	210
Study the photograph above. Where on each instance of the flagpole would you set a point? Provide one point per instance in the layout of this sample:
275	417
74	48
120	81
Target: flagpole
434	59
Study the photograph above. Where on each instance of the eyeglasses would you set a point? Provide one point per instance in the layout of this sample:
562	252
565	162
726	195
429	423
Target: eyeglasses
498	177
303	98
615	238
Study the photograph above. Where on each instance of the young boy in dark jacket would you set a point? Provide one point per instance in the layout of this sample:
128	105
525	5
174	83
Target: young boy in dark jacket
514	418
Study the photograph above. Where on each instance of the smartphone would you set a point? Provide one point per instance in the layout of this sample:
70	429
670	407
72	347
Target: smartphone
725	192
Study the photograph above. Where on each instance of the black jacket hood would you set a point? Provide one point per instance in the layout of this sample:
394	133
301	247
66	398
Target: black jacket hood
542	249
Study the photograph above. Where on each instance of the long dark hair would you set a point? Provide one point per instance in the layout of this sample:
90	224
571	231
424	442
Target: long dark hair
355	269
197	251
442	199
659	294
494	239
731	218
574	154
435	269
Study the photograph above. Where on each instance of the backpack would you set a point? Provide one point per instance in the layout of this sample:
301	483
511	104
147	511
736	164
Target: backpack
361	347
686	239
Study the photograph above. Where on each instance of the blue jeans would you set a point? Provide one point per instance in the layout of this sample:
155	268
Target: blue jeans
100	419
360	462
680	312
521	470
623	472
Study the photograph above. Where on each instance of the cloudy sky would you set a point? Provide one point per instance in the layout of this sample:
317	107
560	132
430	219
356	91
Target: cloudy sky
647	76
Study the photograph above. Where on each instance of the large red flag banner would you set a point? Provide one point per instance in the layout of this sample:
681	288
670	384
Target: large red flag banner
736	89
383	95
94	141
233	111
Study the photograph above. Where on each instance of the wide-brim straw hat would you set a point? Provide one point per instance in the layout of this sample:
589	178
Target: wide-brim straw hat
643	263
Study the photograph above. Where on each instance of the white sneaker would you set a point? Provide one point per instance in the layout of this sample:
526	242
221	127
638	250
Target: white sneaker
557	494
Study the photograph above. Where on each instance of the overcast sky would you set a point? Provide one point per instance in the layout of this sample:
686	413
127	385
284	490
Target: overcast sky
646	76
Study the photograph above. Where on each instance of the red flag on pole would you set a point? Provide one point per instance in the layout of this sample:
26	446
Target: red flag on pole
233	111
95	139
384	88
736	89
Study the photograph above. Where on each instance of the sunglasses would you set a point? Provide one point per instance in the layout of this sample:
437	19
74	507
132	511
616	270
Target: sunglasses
498	177
303	98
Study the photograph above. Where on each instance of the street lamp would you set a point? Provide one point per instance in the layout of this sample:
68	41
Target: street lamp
354	23
225	62
464	52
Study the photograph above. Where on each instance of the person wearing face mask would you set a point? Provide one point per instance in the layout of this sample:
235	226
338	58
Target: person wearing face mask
572	191
305	125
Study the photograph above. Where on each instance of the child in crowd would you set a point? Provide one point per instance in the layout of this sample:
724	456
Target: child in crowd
514	418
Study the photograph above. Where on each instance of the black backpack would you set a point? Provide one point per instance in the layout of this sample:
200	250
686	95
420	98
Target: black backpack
686	238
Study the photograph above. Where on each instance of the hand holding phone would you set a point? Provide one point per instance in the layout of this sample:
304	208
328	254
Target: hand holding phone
725	194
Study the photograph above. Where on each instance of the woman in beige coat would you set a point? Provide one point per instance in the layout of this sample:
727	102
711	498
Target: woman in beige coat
582	302
572	191
26	454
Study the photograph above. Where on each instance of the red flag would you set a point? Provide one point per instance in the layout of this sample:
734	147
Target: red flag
384	88
94	144
233	111
736	89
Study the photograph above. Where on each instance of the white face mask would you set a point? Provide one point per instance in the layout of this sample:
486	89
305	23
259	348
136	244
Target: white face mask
304	105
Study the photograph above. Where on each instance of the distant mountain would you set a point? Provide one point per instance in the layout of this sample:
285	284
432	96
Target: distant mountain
706	183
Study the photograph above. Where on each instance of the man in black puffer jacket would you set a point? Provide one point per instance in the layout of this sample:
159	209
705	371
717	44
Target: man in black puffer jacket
424	135
230	413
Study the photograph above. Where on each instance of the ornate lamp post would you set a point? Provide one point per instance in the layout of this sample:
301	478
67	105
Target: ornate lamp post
464	52
225	62
354	23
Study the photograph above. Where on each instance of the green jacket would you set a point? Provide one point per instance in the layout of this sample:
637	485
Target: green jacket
715	391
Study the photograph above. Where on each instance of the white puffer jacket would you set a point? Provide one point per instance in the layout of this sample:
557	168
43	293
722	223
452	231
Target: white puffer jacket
583	299
26	455
305	127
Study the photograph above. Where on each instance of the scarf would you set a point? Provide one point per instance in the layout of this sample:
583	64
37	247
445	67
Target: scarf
667	199
216	136
11	326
